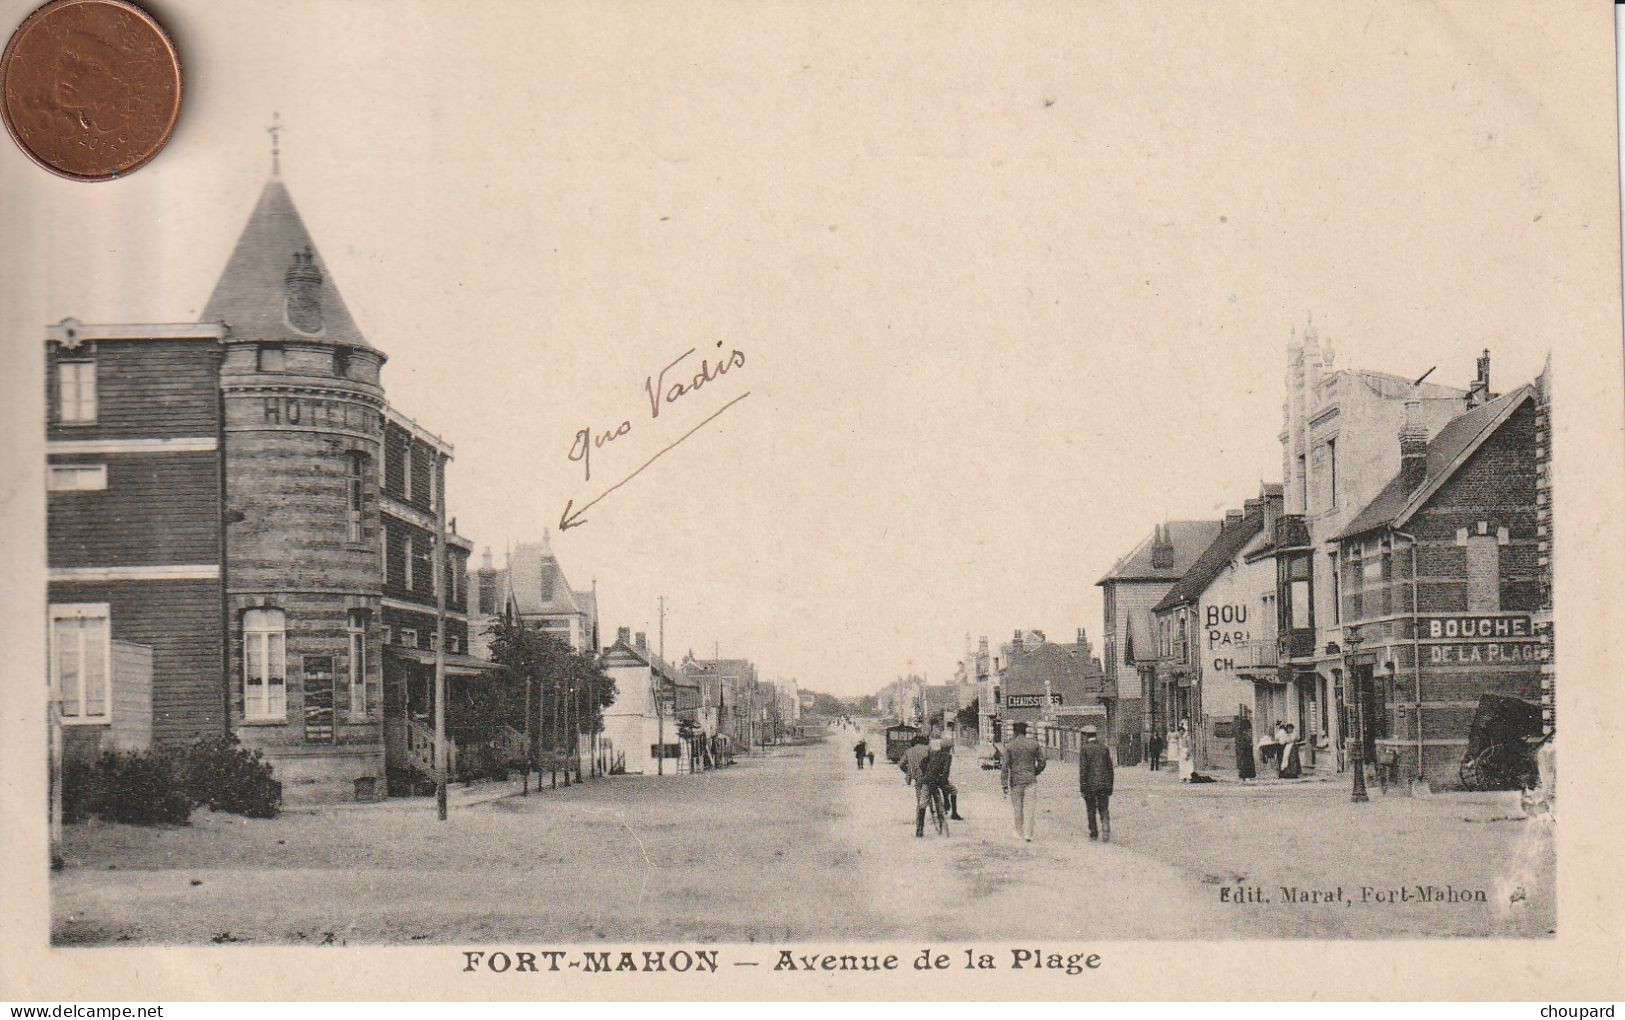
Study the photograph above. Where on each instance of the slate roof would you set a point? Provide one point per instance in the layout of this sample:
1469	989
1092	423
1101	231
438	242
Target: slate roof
1065	666
1189	539
657	665
251	297
1447	451
1212	562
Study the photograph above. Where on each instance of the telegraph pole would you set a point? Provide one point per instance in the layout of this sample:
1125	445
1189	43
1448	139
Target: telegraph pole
441	758
660	695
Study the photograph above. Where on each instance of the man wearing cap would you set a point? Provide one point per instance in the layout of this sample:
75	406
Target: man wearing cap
938	769
1095	783
1023	761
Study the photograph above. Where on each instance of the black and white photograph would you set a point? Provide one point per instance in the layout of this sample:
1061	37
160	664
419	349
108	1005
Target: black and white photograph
765	490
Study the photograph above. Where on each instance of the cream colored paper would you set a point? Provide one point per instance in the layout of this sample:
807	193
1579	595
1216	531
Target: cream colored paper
913	219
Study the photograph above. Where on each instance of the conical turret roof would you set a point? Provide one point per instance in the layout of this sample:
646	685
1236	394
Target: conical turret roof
252	295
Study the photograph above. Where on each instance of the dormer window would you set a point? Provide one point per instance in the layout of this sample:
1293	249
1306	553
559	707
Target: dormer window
341	363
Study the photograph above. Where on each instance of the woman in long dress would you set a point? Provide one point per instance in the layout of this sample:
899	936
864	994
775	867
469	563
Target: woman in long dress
1291	765
1187	754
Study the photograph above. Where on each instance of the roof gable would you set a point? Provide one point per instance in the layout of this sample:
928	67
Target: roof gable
538	582
1229	543
1188	538
251	296
1460	438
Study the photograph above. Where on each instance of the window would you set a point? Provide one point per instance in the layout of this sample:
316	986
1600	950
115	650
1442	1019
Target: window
1483	574
454	643
341	362
76	392
434	642
406	469
383	545
389	634
80	650
272	358
1298	570
407	577
1337	592
434	477
265	685
1371	565
357	469
409	637
1303	484
356	626
77	478
1331	473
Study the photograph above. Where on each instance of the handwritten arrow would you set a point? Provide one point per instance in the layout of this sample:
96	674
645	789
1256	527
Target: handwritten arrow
569	519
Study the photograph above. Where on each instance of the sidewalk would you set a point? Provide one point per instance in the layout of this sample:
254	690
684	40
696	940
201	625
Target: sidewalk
458	795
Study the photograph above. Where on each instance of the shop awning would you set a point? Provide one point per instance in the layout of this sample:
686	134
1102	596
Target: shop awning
1263	676
1079	711
457	663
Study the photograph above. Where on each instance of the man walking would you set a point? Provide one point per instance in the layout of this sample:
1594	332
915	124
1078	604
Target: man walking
913	766
861	749
1095	783
1023	763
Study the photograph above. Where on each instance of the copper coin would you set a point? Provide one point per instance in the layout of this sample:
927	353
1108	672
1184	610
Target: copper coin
90	89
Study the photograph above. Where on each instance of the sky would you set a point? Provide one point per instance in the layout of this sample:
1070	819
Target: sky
1009	283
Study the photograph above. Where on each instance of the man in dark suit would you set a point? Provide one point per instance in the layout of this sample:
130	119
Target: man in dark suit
1095	783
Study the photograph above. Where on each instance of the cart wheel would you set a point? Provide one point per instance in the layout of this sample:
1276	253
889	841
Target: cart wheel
1472	772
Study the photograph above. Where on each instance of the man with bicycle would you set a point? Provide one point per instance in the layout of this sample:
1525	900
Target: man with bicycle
938	769
913	766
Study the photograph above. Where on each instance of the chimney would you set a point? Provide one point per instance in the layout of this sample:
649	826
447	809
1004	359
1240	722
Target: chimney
1272	509
1479	392
1413	446
641	641
1162	549
1083	638
623	635
1232	518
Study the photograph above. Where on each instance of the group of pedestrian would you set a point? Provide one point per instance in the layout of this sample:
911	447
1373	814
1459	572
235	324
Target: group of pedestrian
861	749
1023	761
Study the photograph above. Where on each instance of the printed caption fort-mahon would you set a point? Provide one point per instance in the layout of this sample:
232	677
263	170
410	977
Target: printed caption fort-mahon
710	961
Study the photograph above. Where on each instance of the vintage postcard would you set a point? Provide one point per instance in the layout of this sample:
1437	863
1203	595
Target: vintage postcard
727	500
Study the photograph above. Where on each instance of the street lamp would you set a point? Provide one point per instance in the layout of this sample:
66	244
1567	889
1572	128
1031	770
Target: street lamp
1351	642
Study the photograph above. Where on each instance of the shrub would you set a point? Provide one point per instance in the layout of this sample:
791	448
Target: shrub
162	787
134	787
79	788
222	774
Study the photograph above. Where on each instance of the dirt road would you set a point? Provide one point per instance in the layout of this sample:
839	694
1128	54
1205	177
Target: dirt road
801	846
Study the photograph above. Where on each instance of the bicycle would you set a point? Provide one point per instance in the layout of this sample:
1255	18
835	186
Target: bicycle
938	814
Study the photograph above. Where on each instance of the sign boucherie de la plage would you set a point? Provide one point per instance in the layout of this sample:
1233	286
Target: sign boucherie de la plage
1480	640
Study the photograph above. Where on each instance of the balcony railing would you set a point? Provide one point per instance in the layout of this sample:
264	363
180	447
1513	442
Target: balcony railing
1260	653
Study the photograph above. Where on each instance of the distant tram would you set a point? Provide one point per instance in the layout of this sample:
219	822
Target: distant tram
898	738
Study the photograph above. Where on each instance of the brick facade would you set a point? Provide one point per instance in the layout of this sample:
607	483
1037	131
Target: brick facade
1469	630
138	549
227	495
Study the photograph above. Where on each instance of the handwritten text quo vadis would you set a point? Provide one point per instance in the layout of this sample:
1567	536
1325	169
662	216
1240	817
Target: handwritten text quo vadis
671	385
